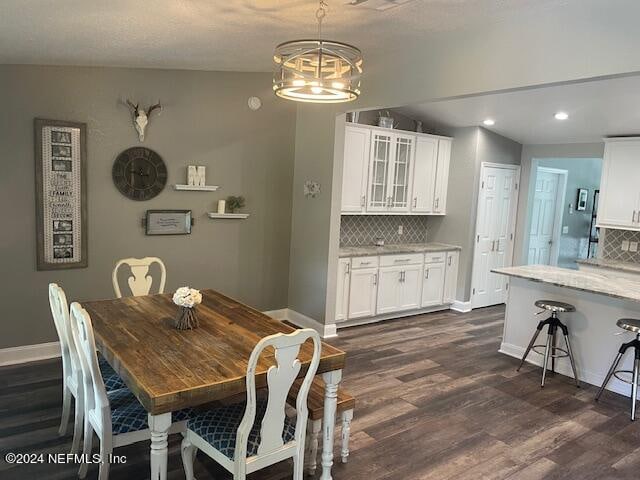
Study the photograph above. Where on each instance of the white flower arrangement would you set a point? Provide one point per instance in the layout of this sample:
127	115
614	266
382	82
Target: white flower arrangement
187	297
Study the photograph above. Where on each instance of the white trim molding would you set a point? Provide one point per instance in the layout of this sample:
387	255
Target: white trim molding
300	320
462	307
29	353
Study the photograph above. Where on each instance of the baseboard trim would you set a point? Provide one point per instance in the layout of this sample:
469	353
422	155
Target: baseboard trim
462	307
300	320
29	353
390	316
564	368
280	314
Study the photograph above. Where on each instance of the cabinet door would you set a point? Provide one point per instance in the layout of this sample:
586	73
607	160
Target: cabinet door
442	176
362	292
451	277
410	287
619	188
433	284
381	146
357	142
342	289
399	176
389	290
424	175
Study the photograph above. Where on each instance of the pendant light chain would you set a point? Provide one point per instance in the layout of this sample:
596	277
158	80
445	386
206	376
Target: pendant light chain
320	14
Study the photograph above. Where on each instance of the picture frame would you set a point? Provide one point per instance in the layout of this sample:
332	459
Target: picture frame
61	194
168	222
583	199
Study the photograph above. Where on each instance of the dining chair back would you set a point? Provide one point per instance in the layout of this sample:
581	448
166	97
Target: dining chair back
140	281
264	434
71	373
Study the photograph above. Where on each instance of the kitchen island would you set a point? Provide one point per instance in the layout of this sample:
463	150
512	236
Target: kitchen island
599	299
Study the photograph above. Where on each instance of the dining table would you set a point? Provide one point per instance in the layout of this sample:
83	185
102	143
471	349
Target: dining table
169	369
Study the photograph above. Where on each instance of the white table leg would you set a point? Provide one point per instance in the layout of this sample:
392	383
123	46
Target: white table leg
331	380
347	416
314	427
159	426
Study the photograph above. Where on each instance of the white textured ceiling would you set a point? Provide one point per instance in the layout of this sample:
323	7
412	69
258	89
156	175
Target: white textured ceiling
234	35
596	109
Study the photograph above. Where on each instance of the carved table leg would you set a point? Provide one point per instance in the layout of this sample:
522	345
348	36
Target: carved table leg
159	426
347	416
331	380
313	436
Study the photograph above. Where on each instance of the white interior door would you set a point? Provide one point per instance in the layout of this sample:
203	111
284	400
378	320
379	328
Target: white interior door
495	224
546	217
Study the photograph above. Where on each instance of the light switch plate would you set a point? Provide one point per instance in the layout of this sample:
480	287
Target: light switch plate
625	246
633	246
565	229
400	230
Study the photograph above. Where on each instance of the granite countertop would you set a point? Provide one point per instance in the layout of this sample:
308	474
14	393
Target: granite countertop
611	264
621	288
391	249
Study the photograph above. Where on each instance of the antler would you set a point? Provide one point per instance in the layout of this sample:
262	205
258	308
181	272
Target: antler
135	107
154	107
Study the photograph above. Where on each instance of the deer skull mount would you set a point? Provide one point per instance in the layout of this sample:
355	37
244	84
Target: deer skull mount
141	117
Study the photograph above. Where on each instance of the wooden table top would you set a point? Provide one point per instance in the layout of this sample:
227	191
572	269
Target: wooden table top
168	369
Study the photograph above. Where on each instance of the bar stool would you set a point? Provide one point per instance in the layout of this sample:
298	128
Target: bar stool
550	349
631	325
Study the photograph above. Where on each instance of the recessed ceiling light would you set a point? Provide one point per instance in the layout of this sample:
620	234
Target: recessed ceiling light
561	116
488	122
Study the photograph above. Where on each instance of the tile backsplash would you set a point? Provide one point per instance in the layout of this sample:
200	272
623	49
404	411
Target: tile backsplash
359	230
612	242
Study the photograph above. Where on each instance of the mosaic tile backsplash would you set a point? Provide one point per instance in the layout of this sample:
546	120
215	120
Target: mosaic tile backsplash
362	230
611	246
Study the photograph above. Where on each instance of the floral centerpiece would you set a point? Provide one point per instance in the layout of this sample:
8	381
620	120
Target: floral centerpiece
187	298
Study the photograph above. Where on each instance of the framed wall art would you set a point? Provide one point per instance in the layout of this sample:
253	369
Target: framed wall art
583	198
61	194
168	222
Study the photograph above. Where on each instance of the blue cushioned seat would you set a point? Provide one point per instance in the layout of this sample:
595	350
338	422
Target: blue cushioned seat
128	415
219	427
109	376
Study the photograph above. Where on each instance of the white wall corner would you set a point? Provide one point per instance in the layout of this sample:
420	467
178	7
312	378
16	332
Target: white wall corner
29	353
300	320
462	307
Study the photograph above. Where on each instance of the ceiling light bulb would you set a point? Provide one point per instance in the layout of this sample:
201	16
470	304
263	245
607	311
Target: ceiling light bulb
488	122
561	116
316	90
338	85
298	83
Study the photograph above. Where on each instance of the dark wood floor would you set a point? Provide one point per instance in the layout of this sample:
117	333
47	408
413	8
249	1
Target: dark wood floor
436	401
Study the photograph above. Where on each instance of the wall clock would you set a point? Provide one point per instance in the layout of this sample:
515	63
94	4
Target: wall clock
139	173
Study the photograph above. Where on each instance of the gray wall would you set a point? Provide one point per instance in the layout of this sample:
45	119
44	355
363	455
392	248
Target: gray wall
574	40
570	152
471	146
206	121
581	173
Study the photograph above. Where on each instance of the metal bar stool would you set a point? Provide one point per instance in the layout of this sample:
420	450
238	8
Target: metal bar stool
551	350
632	325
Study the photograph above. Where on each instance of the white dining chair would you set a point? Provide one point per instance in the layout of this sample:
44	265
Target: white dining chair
71	368
248	436
116	416
140	281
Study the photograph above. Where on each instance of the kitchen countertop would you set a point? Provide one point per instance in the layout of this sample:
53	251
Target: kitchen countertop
391	249
621	288
611	264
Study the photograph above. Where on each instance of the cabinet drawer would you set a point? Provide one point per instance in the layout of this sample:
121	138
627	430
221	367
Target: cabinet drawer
364	262
438	257
406	259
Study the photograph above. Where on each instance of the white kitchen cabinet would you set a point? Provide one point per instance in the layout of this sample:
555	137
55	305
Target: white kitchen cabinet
362	292
357	143
411	288
399	289
379	166
451	277
442	177
424	175
342	289
619	202
400	171
433	284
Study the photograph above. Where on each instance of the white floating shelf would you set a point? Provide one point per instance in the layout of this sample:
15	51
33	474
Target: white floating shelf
227	215
195	188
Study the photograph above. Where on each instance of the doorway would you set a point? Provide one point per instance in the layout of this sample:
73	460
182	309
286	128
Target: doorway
495	226
546	216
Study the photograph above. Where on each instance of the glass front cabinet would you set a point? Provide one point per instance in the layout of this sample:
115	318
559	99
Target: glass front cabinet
390	172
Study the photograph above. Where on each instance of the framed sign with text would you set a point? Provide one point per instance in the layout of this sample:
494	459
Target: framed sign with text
61	194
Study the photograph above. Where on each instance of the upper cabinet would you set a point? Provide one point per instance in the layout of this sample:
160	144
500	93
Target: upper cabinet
394	172
619	203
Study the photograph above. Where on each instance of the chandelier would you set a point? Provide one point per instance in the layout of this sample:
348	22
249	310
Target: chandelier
318	71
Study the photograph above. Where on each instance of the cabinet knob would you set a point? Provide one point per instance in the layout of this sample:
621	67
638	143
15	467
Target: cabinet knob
363	201
633	218
415	202
426	274
375	278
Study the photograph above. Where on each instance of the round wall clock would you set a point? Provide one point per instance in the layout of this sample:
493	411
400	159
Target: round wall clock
139	173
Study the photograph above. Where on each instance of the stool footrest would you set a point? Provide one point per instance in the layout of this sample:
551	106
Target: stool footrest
553	350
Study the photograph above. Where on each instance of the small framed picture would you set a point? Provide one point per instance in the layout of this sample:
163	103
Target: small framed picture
168	222
583	197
